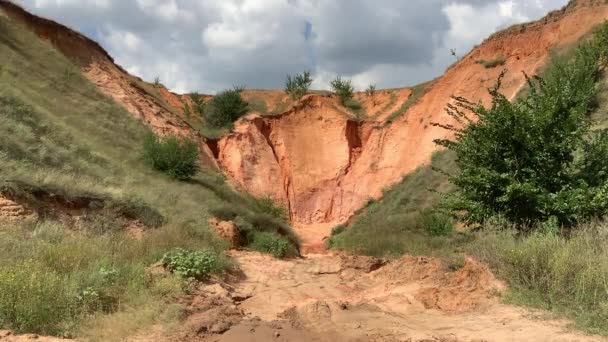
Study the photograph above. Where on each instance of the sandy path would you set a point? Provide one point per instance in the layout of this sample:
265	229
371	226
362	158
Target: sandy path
338	298
313	237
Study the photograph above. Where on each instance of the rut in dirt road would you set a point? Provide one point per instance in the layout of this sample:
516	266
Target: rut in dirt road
346	298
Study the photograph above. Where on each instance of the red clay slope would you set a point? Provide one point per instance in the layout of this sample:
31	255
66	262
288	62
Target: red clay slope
323	166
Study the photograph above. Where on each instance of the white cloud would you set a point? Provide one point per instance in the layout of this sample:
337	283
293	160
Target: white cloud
208	45
96	3
123	40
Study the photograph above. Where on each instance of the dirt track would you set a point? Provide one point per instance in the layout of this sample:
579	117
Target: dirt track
340	298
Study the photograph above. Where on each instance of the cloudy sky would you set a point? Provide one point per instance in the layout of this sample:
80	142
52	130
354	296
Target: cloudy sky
209	45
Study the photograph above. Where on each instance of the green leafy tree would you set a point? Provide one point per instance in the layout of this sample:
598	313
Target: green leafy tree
177	157
534	159
343	88
225	108
297	86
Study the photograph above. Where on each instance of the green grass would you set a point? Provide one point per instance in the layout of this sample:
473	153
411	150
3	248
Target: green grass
257	104
566	275
388	105
417	92
60	136
355	108
393	225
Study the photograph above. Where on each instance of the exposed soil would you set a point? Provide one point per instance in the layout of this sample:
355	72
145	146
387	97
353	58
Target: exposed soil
13	211
345	298
7	336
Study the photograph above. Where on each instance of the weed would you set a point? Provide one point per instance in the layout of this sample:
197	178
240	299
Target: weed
193	264
174	156
436	223
270	243
343	88
297	86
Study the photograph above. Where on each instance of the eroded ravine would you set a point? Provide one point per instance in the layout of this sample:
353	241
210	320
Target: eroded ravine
323	166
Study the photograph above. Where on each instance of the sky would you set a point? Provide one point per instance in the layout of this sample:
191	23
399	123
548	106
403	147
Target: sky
210	45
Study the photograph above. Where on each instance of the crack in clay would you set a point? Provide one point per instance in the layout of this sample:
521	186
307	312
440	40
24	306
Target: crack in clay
266	130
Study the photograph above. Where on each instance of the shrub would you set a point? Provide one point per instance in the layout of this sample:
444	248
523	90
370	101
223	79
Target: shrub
156	82
36	300
270	243
298	85
493	63
343	88
198	103
371	93
177	157
371	90
225	108
192	264
436	224
534	158
268	206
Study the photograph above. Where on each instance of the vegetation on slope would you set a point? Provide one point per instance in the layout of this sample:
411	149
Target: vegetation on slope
547	265
536	158
417	92
60	136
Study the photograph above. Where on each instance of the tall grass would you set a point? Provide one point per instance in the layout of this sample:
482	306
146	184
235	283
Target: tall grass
53	280
417	92
565	274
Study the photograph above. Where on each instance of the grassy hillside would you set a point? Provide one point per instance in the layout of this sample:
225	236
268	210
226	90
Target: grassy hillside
62	138
392	225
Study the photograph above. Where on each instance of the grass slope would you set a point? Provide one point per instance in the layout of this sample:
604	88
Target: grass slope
60	135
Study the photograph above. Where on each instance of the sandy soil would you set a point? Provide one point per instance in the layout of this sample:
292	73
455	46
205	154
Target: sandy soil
344	298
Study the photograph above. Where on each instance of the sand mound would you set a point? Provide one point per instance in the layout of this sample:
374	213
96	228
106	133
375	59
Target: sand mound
468	288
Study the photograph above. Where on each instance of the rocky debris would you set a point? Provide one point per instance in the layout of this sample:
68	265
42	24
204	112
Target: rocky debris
466	289
8	336
226	230
362	263
209	311
12	211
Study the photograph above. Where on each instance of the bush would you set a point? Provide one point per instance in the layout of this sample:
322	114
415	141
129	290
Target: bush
371	90
436	224
534	158
343	88
192	264
198	103
225	108
36	300
270	243
298	85
177	157
371	93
